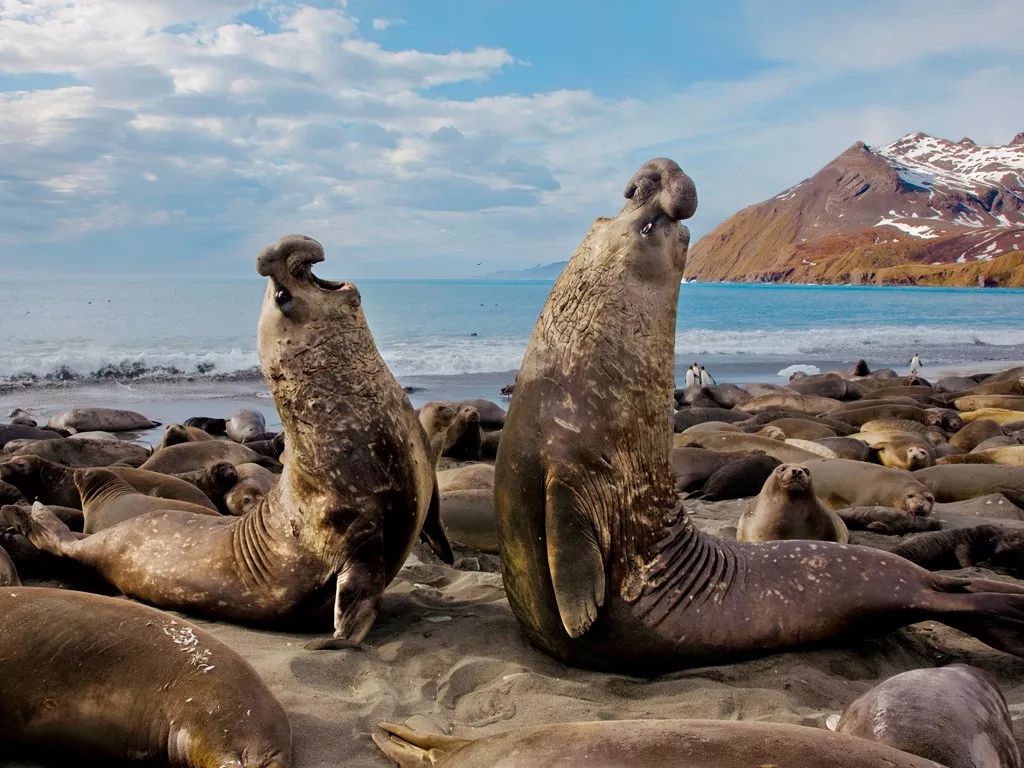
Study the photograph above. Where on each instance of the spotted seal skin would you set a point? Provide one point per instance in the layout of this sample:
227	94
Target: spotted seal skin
155	687
955	714
627	743
356	487
602	567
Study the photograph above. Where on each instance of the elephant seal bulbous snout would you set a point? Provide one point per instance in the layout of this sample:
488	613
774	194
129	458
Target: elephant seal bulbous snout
663	182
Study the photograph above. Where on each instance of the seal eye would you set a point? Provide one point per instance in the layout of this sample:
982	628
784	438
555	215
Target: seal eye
283	299
647	229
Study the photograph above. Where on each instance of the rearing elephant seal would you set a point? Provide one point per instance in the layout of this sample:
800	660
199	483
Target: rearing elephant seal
105	679
357	485
601	565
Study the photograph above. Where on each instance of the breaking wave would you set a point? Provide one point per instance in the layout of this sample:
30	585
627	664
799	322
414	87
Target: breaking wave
451	356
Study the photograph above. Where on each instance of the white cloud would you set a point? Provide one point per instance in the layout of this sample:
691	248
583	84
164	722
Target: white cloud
187	116
382	25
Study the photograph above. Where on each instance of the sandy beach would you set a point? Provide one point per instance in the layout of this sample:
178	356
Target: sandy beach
447	656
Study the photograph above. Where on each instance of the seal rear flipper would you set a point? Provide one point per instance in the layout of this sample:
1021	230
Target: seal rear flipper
433	532
995	617
410	749
574	559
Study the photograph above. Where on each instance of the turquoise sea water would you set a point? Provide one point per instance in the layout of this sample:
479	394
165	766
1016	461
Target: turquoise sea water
97	329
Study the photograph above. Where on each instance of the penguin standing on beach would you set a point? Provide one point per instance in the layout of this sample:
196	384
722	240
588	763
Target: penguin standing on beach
692	376
915	364
706	379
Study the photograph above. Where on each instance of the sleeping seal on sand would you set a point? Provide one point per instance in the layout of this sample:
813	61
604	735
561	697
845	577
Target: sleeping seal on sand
955	715
602	567
628	743
105	419
357	485
103	679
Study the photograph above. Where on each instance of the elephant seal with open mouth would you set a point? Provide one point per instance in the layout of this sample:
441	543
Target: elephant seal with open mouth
602	566
357	486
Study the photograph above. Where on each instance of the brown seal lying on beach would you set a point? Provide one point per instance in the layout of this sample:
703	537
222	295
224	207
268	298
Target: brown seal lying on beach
246	424
846	483
957	482
98	678
104	419
955	548
86	452
176	434
629	743
886	520
193	455
254	482
787	508
51	483
955	715
601	565
739	479
108	500
357	485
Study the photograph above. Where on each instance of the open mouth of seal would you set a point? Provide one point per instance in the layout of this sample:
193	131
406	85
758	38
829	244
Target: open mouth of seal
326	285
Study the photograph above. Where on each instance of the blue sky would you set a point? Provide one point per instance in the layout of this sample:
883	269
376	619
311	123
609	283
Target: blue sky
418	139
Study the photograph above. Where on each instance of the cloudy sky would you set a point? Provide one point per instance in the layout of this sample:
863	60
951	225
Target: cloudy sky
453	137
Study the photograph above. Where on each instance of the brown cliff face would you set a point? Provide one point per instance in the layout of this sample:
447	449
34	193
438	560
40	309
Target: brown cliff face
918	211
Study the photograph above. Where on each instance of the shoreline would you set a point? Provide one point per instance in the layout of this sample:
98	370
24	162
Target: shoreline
173	401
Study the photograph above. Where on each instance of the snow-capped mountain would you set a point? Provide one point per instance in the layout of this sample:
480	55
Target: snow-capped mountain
920	201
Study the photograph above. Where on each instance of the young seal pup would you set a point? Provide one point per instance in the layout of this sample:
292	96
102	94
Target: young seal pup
787	508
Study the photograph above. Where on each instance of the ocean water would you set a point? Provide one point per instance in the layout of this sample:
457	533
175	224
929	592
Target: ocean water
448	335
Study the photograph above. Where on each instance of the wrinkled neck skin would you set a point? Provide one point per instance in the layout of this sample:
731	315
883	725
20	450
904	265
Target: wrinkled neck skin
606	337
335	396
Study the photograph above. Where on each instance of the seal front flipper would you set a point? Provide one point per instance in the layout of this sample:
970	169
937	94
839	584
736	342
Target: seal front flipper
357	599
574	559
433	532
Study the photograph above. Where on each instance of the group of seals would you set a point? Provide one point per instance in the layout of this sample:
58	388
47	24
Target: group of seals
602	566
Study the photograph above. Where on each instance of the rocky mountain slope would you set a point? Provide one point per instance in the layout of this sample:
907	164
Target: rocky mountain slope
921	210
